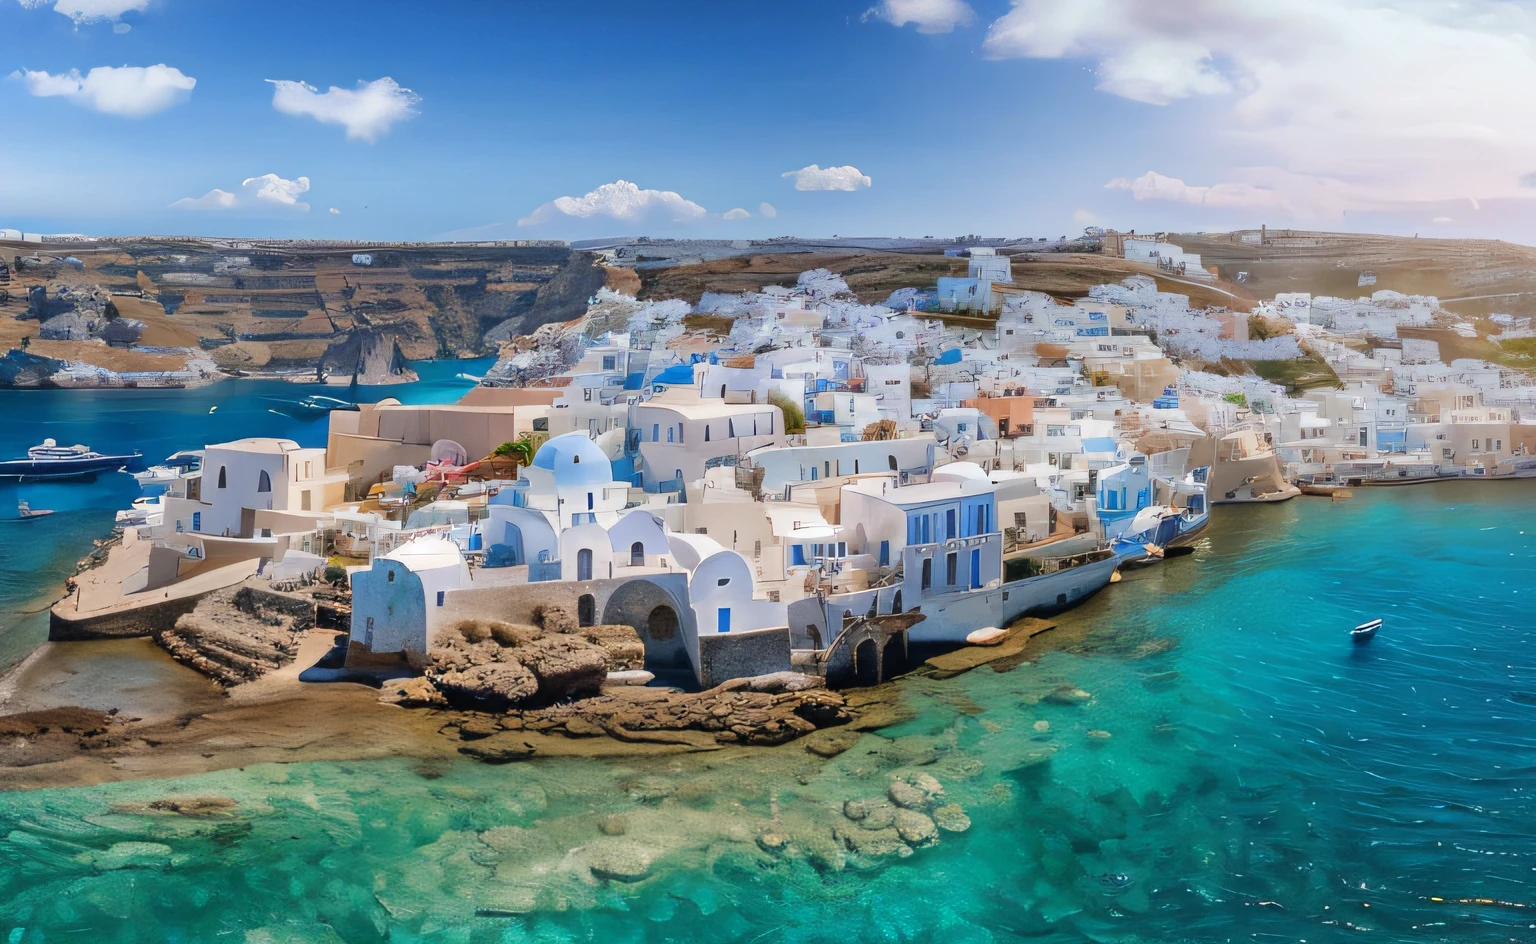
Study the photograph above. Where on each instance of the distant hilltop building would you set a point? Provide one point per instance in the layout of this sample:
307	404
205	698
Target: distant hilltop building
362	258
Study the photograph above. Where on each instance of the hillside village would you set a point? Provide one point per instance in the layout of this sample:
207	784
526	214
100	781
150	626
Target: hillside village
795	485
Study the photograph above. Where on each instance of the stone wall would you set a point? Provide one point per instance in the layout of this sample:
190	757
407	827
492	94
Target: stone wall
725	656
139	621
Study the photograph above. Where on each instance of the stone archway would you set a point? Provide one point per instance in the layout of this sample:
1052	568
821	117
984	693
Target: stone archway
866	663
656	617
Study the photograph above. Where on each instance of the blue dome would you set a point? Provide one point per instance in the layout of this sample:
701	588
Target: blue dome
575	460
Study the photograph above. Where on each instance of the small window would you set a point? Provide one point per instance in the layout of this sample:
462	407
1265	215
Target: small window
391	578
223	480
575	460
263	484
722	581
440	595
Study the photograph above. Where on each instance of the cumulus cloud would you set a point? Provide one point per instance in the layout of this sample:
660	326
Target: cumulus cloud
813	177
737	214
367	111
130	91
1378	104
269	193
335	212
768	210
620	200
930	16
89	11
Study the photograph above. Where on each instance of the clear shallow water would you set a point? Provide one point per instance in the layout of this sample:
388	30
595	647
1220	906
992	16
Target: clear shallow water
1265	781
36	556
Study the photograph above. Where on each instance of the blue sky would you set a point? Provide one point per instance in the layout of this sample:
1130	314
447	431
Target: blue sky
939	117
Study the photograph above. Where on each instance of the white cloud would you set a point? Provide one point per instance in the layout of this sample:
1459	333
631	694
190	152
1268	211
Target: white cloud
1084	217
1357	104
366	111
620	200
89	11
737	214
930	16
130	91
335	212
121	28
813	177
1155	186
768	210
267	193
1444	219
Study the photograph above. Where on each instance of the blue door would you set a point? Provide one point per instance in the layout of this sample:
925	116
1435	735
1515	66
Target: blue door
976	568
885	553
197	521
725	619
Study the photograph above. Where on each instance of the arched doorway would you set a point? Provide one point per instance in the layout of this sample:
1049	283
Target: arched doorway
866	663
896	602
654	613
637	554
584	564
661	624
893	656
586	609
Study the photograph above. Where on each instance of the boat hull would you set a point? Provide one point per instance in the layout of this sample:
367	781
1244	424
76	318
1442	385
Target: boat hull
31	470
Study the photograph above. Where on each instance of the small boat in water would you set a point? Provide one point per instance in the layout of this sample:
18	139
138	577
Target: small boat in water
1365	632
171	469
25	512
52	461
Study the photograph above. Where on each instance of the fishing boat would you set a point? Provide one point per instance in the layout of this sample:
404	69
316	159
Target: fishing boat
1365	632
25	512
52	461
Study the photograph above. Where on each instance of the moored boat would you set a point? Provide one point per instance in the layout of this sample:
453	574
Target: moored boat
1365	632
25	512
52	461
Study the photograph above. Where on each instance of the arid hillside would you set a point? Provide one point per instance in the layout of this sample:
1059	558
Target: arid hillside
283	305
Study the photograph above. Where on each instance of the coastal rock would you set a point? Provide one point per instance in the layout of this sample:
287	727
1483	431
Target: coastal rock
915	791
553	618
239	634
473	729
833	742
915	828
621	645
1068	695
495	685
873	844
777	683
620	861
951	818
612	825
878	814
412	693
566	666
581	727
906	796
495	666
132	855
503	748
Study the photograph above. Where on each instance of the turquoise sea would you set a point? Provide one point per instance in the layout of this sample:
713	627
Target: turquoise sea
1264	780
36	556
